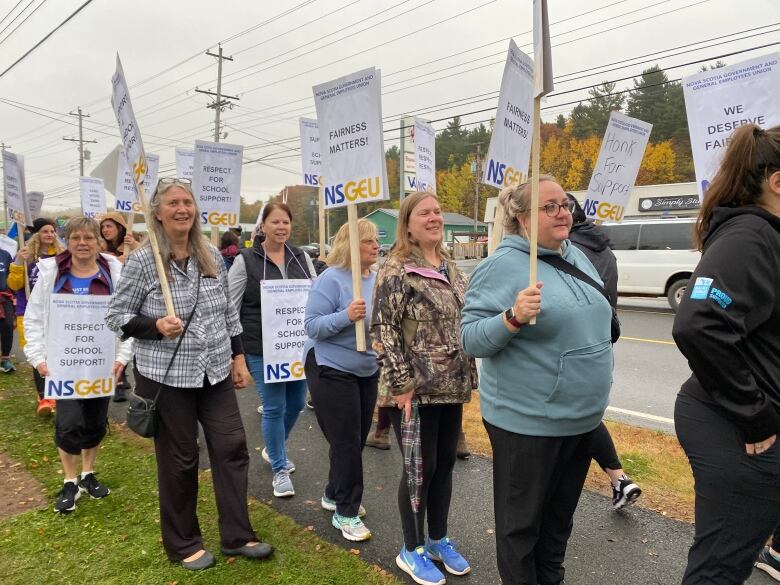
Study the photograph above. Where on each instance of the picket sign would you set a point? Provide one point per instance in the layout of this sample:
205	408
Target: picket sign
311	162
349	115
134	150
185	161
93	197
283	304
424	156
216	184
15	190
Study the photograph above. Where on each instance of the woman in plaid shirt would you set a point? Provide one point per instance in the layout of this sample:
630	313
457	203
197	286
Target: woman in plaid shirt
199	387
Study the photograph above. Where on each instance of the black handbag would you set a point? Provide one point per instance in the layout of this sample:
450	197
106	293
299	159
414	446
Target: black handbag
567	267
142	412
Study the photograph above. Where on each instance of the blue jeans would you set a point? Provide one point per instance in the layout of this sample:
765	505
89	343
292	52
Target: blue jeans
282	403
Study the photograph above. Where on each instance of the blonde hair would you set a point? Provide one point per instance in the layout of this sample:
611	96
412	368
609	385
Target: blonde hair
197	245
517	201
339	256
34	245
405	246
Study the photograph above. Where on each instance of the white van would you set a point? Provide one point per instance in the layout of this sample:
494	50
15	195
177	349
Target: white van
655	257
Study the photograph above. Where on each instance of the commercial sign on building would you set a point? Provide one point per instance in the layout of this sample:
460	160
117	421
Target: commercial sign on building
680	203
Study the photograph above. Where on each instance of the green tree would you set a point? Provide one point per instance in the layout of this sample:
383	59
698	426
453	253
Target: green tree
660	102
591	118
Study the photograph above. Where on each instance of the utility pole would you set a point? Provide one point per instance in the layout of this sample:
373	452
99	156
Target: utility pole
3	146
220	103
80	139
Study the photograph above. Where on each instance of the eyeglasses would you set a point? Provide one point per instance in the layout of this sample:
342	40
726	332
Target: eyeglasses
77	239
174	181
552	209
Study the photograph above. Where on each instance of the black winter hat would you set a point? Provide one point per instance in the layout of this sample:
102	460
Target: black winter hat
40	222
578	215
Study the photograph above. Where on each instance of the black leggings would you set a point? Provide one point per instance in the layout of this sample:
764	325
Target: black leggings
776	540
7	327
439	428
602	449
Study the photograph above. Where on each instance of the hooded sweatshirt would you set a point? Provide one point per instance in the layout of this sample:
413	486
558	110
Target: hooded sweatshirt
551	379
594	241
728	325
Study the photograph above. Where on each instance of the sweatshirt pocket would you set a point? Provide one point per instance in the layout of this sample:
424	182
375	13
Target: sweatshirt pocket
582	387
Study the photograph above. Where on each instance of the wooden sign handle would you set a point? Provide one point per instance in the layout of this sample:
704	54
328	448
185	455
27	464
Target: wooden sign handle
321	219
357	279
158	262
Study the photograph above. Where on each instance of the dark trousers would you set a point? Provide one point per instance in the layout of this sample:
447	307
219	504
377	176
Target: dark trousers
40	381
602	449
180	410
343	405
383	417
776	539
537	482
439	427
737	495
80	423
7	327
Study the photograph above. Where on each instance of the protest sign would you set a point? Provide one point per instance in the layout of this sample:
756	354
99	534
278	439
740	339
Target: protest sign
424	156
310	152
185	161
720	100
283	305
349	113
126	192
616	169
543	75
510	144
35	202
93	196
80	349
15	188
9	245
216	182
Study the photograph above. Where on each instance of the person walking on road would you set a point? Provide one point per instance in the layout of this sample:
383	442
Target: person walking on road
194	370
342	380
80	423
727	414
543	388
593	240
270	259
415	332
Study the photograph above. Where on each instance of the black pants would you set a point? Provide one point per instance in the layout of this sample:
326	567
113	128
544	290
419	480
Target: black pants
776	539
602	449
40	381
343	404
80	423
383	417
439	427
737	495
7	327
180	410
537	482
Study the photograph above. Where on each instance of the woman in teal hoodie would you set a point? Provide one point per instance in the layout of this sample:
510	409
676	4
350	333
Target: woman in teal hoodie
543	387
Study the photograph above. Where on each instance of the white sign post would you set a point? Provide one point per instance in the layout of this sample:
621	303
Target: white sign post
134	152
349	113
616	168
424	156
311	162
216	182
719	101
93	196
80	348
185	161
510	144
283	305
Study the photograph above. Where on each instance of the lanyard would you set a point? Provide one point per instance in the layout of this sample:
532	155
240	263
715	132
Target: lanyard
286	247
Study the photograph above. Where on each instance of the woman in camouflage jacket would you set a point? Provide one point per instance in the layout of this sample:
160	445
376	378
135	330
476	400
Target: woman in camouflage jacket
415	329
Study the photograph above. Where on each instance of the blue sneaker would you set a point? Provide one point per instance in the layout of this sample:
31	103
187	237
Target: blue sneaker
417	564
444	550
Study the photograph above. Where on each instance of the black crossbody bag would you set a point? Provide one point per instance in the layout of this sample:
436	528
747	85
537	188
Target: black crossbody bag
142	412
572	270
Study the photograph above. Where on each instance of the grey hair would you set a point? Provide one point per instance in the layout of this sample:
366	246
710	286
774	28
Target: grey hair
81	224
517	201
197	245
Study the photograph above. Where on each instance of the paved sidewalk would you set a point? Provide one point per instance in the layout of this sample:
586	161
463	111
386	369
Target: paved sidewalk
632	547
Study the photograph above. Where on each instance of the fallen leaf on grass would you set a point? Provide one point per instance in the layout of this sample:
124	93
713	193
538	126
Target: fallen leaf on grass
309	529
318	547
309	502
354	551
230	560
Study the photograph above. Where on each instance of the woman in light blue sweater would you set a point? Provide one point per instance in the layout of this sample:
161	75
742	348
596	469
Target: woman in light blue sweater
543	388
342	380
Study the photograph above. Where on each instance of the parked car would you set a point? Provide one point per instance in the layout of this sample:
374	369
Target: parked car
313	249
384	249
655	257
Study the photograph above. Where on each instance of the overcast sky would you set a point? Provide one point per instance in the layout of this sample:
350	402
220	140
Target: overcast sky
290	45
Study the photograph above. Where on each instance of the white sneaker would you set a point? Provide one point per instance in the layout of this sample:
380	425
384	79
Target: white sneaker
260	409
289	466
330	506
283	487
352	529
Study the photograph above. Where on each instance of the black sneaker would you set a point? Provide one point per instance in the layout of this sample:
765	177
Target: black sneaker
625	494
66	499
90	485
766	562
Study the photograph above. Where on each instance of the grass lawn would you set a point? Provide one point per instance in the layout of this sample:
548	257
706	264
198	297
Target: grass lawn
117	540
653	459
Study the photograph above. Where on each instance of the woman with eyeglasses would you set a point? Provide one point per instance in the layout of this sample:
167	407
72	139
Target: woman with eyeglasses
544	387
81	423
194	360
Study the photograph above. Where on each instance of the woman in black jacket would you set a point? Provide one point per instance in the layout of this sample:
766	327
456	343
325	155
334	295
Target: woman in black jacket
727	413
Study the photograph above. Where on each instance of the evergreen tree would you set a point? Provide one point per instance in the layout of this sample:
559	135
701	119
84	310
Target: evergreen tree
560	121
591	119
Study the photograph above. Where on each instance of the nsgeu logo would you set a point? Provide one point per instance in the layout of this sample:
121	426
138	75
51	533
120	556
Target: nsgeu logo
501	174
127	206
80	388
215	218
367	188
603	210
312	179
292	371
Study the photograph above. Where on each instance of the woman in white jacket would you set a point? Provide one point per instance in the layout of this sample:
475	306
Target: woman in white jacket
81	423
